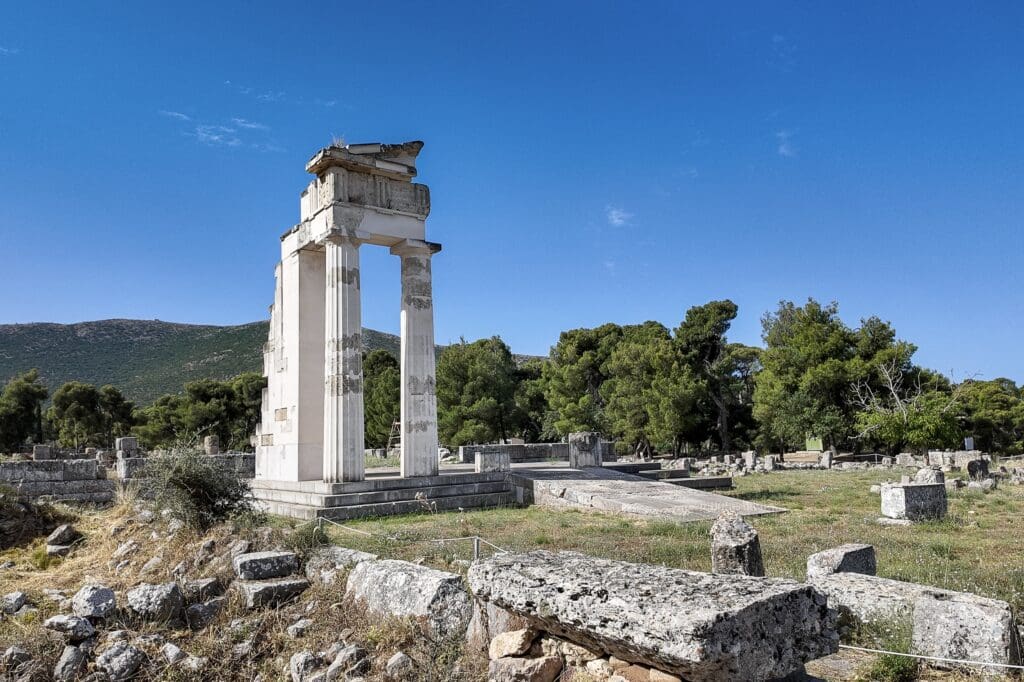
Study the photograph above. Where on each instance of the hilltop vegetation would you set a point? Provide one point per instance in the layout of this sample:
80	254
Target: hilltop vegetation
143	358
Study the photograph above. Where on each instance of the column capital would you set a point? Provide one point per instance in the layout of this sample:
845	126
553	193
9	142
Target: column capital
415	247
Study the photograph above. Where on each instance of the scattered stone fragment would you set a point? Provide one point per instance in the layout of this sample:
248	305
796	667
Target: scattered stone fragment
352	660
571	653
544	669
265	565
735	547
201	614
162	602
70	665
172	653
515	643
175	525
203	589
12	602
929	475
849	558
325	563
257	593
151	565
146	516
14	657
124	549
240	547
58	550
120	661
94	601
399	667
302	665
490	620
403	589
299	627
74	628
64	534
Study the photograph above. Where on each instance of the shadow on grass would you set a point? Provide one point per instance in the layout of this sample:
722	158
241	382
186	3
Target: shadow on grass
765	495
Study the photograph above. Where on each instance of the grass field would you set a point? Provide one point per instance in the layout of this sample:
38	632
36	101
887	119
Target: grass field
977	548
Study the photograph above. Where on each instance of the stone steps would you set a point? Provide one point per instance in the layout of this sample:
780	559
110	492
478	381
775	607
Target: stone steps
381	496
661	474
359	511
702	482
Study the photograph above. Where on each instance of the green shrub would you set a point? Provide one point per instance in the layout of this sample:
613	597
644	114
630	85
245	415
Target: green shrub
306	537
196	488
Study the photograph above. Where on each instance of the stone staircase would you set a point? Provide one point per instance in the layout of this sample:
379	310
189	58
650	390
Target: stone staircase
682	478
384	496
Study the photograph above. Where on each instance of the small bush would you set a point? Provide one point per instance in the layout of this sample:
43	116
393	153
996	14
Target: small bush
196	488
306	537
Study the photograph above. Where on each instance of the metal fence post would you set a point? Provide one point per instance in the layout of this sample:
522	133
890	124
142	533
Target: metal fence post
476	547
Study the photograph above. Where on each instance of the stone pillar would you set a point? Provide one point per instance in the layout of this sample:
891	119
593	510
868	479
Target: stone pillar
584	449
419	396
343	370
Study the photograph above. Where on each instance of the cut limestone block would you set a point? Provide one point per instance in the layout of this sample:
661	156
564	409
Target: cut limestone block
404	589
849	558
585	450
914	501
257	593
163	602
735	548
492	460
695	625
265	565
966	627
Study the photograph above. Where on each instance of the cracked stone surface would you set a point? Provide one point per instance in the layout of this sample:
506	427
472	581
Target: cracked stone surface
696	625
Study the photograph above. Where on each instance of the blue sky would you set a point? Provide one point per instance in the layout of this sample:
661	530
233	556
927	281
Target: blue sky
589	162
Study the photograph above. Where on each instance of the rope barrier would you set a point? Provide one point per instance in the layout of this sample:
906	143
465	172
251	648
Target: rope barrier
959	661
476	539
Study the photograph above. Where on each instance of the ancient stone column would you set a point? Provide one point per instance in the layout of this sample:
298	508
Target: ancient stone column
419	398
343	371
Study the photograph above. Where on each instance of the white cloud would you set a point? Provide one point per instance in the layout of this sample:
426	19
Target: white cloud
783	53
785	140
617	216
175	114
249	125
271	96
216	136
8	50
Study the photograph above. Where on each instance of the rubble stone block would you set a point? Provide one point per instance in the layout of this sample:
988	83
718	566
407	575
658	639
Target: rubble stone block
265	565
489	621
695	625
929	475
514	669
849	558
326	562
259	593
492	461
966	627
41	452
585	449
404	589
914	501
735	547
94	601
163	602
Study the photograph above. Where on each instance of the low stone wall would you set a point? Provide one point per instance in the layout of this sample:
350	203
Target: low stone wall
77	480
241	463
532	452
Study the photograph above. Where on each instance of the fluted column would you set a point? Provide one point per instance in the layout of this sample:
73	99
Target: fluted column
419	397
343	371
